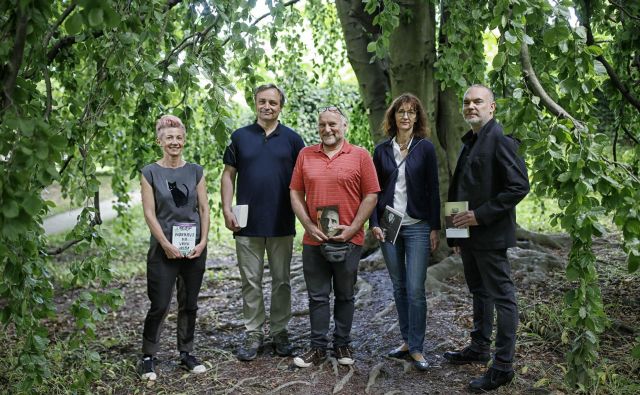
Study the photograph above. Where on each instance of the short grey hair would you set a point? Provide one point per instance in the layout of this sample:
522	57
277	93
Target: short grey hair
491	95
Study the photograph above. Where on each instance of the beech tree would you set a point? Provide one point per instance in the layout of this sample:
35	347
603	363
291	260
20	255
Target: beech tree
82	82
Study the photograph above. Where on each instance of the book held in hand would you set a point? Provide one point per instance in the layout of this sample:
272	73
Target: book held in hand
390	224
183	237
450	210
328	218
241	212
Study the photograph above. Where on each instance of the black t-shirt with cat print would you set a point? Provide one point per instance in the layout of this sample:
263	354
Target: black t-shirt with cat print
174	192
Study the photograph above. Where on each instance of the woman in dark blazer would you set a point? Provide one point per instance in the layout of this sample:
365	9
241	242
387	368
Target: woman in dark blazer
408	174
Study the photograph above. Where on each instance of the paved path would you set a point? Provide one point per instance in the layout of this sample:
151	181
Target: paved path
66	221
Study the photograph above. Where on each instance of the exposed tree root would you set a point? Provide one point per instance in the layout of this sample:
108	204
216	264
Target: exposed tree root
241	383
373	376
554	241
343	381
289	384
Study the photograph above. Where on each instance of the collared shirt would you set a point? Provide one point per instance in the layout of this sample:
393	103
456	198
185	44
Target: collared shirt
343	180
400	193
264	165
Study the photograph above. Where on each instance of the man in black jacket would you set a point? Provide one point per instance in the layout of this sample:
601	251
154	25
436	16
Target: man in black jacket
493	179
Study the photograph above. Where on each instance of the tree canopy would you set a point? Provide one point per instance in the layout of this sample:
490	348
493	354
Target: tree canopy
83	81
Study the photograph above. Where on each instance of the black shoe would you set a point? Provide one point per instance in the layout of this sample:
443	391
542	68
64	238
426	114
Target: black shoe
281	345
466	356
315	356
492	379
249	349
344	355
398	353
191	363
147	368
420	365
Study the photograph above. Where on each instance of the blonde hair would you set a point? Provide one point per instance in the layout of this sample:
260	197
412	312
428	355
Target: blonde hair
169	121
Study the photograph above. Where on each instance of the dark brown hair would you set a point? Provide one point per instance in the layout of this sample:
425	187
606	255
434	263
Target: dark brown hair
420	128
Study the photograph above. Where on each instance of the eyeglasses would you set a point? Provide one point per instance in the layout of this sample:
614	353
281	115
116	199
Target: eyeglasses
330	109
403	113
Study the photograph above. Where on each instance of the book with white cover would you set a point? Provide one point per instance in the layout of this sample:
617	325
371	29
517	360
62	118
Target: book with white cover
241	211
450	210
183	237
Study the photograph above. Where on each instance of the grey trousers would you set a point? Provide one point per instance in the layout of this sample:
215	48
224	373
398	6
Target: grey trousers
488	275
162	275
321	276
250	251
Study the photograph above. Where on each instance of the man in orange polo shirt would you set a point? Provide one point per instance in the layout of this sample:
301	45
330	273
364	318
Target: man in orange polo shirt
333	174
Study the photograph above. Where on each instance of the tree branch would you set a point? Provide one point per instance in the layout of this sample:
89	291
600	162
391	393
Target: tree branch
621	8
9	83
70	40
97	220
536	87
628	133
615	80
613	76
55	27
261	17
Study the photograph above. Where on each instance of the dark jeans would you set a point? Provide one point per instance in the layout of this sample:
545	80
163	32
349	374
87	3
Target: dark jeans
407	262
321	276
488	275
162	275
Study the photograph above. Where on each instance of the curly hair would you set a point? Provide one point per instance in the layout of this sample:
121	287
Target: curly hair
169	121
420	128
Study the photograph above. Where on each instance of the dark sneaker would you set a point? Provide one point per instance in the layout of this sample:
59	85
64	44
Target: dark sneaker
281	345
147	368
314	356
466	356
192	364
492	379
249	349
344	355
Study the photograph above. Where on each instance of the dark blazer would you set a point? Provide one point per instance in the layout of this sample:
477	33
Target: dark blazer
494	179
421	174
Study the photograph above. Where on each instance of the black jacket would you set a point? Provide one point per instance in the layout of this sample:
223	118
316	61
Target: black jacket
421	174
494	179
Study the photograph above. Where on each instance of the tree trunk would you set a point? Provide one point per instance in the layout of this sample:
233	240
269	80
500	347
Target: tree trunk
373	79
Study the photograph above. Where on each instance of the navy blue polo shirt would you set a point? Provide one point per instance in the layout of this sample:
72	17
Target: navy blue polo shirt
264	166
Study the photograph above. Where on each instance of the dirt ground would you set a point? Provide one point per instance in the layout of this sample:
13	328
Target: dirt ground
375	332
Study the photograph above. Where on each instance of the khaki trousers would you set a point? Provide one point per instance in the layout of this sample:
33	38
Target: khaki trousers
250	252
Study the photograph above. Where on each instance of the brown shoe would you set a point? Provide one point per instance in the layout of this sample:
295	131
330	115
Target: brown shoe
344	355
315	356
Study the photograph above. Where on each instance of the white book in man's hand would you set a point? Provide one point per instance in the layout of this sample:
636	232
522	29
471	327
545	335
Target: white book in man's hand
450	210
241	211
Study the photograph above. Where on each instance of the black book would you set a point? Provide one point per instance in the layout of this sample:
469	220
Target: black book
390	224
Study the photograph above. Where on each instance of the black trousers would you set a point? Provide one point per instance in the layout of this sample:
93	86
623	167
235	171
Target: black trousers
321	276
162	275
488	275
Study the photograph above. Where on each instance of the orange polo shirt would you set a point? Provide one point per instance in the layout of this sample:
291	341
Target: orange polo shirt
342	181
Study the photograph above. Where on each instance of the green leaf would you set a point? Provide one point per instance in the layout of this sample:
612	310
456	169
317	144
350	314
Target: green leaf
10	209
95	17
498	60
594	50
564	177
510	37
32	204
73	24
371	47
582	312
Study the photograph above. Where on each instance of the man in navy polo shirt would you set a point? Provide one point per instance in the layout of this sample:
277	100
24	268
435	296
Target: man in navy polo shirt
262	156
